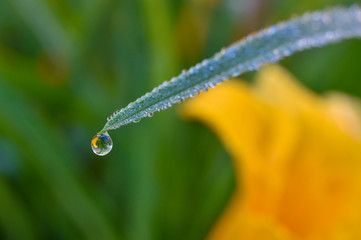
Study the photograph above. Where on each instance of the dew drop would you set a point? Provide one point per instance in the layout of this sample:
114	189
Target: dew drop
102	144
223	51
150	114
136	120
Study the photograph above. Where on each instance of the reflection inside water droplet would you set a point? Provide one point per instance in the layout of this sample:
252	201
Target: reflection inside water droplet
102	144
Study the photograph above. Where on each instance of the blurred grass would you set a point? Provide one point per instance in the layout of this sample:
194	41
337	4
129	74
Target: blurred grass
66	65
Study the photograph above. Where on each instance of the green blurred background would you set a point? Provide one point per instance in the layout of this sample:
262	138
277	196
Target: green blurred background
65	65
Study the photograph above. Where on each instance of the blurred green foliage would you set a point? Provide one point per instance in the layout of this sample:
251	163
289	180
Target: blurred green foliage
65	65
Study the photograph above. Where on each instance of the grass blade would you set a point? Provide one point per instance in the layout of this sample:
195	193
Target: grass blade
269	45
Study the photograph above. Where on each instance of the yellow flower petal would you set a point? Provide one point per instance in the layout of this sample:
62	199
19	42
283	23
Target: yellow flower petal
345	112
297	158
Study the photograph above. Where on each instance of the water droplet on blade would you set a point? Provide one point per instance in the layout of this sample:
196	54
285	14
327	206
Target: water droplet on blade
102	144
136	120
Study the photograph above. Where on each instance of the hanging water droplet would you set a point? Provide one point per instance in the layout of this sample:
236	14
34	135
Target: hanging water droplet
102	144
150	114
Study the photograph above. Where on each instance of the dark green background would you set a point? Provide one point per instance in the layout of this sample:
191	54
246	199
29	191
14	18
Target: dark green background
65	65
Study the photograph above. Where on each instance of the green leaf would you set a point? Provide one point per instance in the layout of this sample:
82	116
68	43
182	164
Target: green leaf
269	45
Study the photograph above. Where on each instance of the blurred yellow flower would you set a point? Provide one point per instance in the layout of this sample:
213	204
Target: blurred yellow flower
297	158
